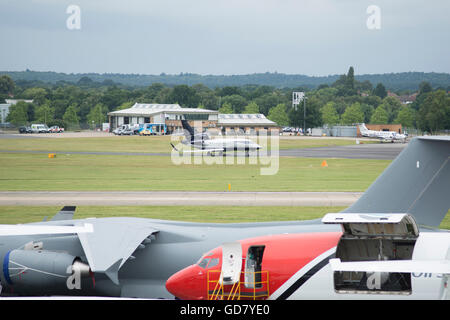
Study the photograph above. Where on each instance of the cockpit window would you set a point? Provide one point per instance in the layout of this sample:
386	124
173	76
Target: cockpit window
214	262
203	263
208	263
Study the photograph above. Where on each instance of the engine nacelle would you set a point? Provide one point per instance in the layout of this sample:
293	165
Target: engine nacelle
27	270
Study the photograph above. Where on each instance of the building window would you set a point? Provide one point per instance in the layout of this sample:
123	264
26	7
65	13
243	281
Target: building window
196	116
126	120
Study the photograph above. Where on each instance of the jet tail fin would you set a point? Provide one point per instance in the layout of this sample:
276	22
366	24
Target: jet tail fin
66	213
189	129
416	182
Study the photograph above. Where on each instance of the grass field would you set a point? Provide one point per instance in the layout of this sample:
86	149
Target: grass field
101	172
156	144
219	214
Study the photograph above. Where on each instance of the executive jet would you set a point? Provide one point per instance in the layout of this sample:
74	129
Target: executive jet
218	146
385	136
135	257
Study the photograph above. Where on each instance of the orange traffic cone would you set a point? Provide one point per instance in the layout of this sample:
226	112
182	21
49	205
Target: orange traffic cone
324	163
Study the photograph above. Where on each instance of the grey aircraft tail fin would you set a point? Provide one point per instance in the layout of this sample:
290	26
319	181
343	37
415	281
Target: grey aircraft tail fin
188	131
416	182
66	213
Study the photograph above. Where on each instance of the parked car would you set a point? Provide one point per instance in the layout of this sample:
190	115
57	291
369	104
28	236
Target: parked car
56	129
124	129
24	129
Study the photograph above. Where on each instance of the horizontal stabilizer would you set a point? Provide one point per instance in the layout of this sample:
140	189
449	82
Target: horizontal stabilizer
66	213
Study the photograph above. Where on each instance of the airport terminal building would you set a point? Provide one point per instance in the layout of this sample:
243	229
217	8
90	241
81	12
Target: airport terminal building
172	114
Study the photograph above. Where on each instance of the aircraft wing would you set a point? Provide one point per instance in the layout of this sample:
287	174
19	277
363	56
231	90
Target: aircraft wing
400	266
112	243
197	151
204	150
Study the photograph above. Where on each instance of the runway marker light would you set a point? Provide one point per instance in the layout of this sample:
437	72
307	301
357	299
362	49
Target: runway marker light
229	187
52	155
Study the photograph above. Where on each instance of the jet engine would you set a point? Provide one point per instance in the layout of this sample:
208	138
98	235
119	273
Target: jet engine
26	270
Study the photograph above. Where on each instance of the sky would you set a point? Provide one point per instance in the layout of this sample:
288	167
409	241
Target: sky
311	37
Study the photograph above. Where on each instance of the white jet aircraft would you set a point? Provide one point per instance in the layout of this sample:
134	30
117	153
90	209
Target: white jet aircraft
218	146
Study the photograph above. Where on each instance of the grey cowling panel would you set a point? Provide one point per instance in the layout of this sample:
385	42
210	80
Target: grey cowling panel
416	182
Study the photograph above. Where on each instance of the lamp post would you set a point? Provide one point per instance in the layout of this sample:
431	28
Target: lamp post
304	115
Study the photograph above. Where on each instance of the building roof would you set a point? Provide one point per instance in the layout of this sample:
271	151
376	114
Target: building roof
14	101
244	119
146	109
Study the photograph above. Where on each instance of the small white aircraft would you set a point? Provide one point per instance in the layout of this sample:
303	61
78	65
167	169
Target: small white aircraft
386	136
219	146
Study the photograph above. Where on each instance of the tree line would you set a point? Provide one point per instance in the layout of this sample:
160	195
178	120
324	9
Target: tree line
346	101
393	81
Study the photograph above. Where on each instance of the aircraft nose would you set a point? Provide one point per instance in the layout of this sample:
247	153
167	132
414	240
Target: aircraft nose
188	284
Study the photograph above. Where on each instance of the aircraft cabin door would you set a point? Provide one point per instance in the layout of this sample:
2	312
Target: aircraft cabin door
253	267
231	263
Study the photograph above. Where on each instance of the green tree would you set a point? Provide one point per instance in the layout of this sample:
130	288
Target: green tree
125	105
367	109
379	116
434	113
71	118
350	80
237	102
313	116
226	108
18	113
353	114
392	106
329	114
380	91
97	115
405	117
44	113
279	115
185	96
39	95
251	108
7	85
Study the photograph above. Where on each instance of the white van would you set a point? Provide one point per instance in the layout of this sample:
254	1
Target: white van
39	128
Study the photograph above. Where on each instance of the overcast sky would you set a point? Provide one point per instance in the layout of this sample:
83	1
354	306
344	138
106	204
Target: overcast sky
312	37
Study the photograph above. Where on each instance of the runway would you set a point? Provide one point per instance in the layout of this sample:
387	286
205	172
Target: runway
386	151
380	151
176	198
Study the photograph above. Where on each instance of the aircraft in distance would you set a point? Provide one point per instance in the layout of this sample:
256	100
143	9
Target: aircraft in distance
134	257
386	136
218	146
